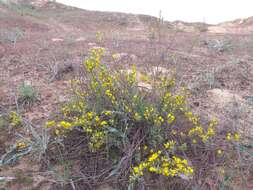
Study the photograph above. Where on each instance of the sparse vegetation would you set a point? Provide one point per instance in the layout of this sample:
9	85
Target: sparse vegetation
99	37
141	133
220	46
138	114
27	94
3	122
11	36
206	79
70	39
22	8
20	177
201	27
209	78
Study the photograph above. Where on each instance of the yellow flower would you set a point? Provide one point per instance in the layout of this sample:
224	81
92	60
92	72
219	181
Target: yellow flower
190	169
137	116
90	115
103	123
169	145
160	118
204	138
94	85
57	132
65	124
110	95
15	119
219	152
107	113
185	162
171	118
97	119
173	172
50	124
89	65
210	132
228	137
136	170
213	122
152	169
196	130
153	157
167	96
236	137
21	145
128	109
108	92
148	111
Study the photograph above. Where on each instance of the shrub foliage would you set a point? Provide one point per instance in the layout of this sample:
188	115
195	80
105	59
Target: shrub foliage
150	133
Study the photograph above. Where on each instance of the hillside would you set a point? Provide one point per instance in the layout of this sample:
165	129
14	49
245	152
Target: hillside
42	44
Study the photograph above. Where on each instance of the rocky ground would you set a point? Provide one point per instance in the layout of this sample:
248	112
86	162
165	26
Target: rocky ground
43	44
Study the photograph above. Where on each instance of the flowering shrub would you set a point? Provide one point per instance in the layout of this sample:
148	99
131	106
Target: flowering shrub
15	120
152	129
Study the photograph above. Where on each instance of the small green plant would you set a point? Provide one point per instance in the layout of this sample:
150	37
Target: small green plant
220	46
62	174
11	35
39	143
15	152
27	94
99	37
208	78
